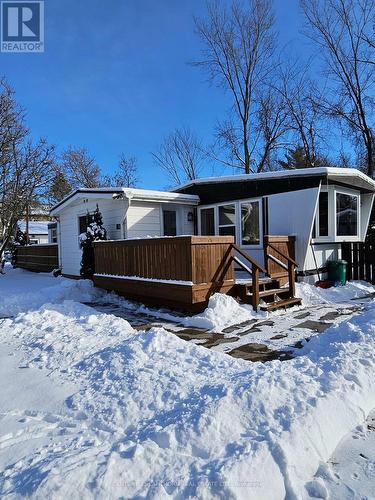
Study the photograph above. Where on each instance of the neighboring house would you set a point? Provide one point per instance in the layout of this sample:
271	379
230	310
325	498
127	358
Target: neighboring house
38	231
127	213
321	207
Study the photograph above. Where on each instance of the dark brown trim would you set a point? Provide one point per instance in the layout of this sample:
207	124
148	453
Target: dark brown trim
217	192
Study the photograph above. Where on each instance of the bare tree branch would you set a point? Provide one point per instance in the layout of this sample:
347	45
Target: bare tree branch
181	156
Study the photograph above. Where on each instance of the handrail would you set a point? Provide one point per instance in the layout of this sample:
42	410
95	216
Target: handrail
278	262
247	257
289	259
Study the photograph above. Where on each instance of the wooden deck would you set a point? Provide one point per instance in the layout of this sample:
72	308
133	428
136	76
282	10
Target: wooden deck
183	272
180	272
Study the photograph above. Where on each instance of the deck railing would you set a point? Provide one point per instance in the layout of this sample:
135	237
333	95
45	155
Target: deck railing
38	258
279	259
195	259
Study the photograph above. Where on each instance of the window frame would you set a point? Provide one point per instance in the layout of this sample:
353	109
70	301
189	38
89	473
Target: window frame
79	216
260	220
227	225
238	227
179	216
332	216
354	194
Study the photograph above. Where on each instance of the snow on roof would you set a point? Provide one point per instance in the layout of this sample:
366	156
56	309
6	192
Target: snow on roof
301	172
35	226
131	193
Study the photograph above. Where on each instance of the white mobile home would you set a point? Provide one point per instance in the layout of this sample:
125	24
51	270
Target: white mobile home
321	207
127	213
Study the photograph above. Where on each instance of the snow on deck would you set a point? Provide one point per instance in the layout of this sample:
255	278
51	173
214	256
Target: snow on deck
105	410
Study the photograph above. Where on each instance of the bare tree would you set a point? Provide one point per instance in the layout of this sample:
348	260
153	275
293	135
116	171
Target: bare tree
341	28
302	98
25	168
239	47
23	182
181	155
126	174
273	124
80	169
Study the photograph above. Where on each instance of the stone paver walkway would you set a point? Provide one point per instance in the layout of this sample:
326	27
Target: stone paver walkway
276	337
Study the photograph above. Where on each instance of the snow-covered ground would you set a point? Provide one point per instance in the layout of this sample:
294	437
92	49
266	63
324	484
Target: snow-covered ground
90	407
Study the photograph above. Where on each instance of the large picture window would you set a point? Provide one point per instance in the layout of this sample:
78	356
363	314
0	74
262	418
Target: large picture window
227	220
250	223
346	214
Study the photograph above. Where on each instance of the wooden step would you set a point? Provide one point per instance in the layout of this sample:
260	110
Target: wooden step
273	291
280	304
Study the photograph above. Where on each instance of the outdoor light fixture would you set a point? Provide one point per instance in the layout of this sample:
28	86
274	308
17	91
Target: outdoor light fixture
190	217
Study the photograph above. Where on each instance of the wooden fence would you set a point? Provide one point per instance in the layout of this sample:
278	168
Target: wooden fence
38	258
361	260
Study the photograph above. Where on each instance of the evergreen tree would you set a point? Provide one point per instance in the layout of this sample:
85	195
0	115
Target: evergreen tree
20	240
294	158
95	231
60	187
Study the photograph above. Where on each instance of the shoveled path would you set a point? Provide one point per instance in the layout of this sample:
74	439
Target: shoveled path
276	336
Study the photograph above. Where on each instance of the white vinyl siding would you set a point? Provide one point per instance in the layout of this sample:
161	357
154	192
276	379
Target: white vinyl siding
139	220
70	251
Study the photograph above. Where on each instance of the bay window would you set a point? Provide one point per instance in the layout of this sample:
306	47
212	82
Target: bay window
337	215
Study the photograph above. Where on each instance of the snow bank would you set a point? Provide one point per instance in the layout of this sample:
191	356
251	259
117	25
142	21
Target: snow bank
312	295
158	417
222	311
22	291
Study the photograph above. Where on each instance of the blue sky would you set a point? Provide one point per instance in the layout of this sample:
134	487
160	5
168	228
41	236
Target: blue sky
115	77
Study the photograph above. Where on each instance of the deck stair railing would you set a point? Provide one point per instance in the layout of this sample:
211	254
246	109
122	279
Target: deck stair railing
269	290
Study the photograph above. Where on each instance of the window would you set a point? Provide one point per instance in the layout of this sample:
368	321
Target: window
241	219
323	214
337	215
250	226
83	222
346	214
54	235
170	222
227	220
207	221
